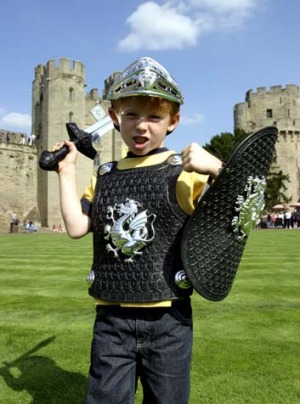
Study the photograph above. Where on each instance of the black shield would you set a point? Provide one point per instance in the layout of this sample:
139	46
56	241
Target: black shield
216	233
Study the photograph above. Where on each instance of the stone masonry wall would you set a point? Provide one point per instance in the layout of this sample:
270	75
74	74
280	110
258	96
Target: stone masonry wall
18	183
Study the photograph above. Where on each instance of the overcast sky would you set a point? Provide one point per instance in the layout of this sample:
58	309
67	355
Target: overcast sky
216	50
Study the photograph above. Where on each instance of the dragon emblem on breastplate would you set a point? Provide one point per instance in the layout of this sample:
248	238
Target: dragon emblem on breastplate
249	207
129	230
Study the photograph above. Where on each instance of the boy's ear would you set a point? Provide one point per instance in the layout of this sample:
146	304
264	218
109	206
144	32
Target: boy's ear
113	115
173	123
114	118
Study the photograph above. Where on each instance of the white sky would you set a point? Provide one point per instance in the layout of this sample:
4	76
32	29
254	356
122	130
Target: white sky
216	49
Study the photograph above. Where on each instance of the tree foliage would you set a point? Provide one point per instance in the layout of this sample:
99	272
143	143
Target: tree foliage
275	188
223	145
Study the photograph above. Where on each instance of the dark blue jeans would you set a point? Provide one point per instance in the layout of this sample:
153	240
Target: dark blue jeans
151	344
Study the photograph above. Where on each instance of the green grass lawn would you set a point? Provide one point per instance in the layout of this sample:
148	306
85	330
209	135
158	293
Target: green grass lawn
246	348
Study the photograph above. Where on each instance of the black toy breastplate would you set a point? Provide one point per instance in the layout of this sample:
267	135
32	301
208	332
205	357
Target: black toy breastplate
137	233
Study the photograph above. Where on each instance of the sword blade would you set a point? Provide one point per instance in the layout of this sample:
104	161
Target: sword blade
101	127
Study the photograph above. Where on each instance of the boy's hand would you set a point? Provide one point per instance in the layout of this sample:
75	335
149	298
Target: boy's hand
195	158
70	160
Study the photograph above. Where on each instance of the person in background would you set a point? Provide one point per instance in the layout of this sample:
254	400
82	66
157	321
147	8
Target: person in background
287	219
22	140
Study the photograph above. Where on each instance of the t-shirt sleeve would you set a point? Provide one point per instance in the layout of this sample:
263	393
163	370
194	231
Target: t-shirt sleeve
189	188
87	197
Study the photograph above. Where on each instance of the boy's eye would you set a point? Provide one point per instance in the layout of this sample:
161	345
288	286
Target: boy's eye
130	115
133	115
154	118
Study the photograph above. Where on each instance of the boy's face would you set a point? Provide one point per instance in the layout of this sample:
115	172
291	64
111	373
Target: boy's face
143	128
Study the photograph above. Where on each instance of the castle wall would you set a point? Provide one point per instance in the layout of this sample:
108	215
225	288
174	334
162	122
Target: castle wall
288	159
280	106
59	96
18	182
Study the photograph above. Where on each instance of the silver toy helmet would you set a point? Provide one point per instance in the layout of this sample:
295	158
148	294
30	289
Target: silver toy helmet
145	77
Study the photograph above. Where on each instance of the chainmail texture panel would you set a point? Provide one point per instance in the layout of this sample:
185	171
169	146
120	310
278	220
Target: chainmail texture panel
150	275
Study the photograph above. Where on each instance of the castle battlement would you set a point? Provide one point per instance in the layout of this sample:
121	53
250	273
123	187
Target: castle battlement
108	82
64	67
289	89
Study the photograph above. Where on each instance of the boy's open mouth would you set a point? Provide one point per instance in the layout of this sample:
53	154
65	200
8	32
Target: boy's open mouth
140	139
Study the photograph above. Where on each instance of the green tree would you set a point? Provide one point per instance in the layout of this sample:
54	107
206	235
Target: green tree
275	189
223	145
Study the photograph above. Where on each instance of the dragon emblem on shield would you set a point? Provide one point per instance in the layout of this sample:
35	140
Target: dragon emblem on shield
129	229
249	207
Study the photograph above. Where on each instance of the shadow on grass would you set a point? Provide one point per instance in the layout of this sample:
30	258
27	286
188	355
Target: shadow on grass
44	381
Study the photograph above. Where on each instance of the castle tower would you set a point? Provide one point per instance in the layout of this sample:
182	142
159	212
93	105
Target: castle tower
59	96
281	107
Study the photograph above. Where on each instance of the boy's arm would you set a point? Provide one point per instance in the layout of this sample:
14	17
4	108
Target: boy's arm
76	222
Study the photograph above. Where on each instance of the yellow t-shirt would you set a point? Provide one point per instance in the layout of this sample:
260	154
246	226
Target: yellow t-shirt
189	188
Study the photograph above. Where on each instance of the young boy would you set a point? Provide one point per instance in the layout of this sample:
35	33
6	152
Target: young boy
137	208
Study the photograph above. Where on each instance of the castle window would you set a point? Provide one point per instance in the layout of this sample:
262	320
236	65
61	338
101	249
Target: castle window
71	94
71	117
269	113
